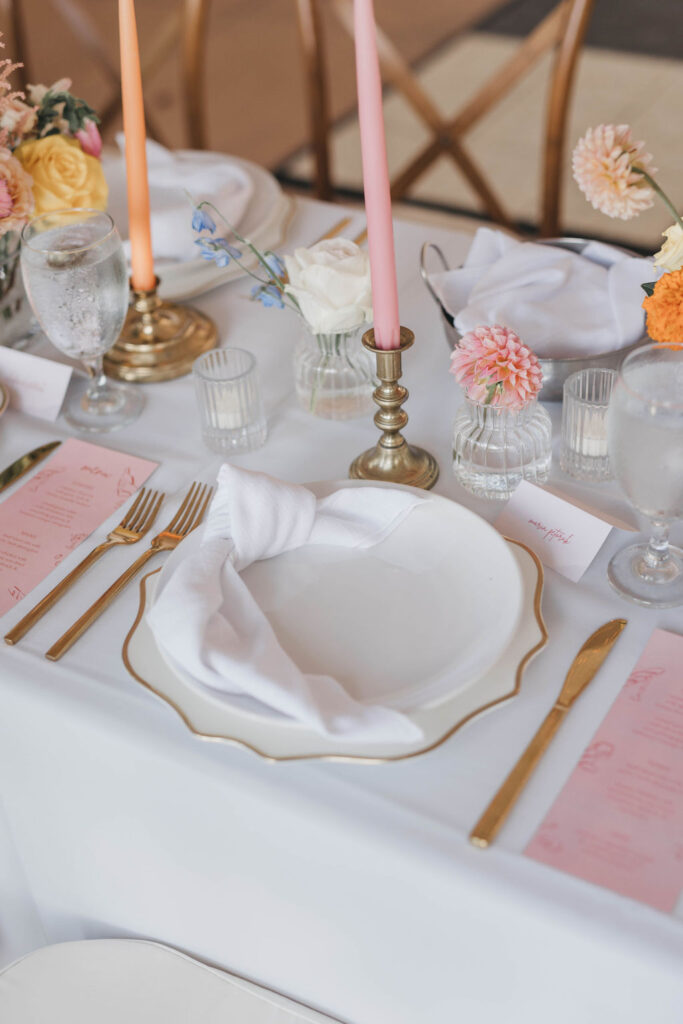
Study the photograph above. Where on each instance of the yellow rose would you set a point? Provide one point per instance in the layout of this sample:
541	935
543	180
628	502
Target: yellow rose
63	175
670	256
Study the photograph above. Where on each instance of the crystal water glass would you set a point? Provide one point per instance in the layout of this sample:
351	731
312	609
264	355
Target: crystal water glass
645	440
75	274
229	400
585	400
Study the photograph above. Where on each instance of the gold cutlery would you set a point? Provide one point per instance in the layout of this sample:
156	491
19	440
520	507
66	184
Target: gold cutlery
24	463
188	516
581	672
335	230
361	236
137	521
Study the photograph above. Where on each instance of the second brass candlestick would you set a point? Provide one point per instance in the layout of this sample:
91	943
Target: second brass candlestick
393	459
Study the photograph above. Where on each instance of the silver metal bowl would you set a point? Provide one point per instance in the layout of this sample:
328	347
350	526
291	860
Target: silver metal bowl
555	371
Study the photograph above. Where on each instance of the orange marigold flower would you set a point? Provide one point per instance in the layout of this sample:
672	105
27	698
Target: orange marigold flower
664	309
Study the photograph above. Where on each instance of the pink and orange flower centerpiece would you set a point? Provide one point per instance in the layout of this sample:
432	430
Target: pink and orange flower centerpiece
616	175
49	160
501	434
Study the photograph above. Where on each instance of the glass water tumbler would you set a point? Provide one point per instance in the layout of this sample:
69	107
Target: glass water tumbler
229	400
585	400
494	448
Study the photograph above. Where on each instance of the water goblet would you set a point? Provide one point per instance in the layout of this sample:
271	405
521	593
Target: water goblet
75	274
645	440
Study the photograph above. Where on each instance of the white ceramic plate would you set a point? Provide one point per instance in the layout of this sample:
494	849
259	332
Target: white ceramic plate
280	740
406	622
264	222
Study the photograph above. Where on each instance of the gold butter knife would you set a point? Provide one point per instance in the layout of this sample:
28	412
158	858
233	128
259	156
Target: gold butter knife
24	463
582	670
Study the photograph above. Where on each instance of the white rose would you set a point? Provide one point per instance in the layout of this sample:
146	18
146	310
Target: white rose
331	283
670	256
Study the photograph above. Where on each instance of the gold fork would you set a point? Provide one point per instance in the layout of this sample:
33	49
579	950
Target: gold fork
135	524
188	516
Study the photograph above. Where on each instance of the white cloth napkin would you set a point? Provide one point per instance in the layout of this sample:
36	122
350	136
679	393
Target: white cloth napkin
560	303
208	624
205	176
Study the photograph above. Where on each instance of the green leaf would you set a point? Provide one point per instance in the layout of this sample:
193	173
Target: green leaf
649	287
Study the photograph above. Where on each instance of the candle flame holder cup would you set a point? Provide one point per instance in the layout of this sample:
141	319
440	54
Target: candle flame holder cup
393	459
160	340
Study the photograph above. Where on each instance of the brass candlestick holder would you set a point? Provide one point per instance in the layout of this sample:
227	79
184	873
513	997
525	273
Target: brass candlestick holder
393	459
160	340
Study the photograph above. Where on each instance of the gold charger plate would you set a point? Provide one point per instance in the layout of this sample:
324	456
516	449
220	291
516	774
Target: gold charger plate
4	398
276	739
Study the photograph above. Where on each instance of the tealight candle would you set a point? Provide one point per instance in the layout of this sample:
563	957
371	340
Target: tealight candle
585	401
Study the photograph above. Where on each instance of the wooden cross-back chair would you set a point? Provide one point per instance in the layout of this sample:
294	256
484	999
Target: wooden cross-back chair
184	24
562	30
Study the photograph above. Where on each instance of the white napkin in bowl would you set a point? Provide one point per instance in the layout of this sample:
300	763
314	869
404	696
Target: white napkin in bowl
561	304
207	623
171	176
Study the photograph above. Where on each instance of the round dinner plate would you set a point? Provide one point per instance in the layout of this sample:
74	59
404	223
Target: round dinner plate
404	623
264	222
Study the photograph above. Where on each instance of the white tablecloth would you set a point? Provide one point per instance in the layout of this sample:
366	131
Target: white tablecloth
351	888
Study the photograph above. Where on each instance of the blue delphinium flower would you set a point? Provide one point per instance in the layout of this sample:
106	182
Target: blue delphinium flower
217	249
202	221
268	294
274	264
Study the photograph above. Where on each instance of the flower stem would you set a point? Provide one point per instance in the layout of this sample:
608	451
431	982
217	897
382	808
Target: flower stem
660	192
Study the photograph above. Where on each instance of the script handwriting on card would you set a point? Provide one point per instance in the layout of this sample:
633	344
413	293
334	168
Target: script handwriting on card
551	533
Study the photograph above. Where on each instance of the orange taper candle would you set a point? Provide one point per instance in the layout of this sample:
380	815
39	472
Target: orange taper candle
139	230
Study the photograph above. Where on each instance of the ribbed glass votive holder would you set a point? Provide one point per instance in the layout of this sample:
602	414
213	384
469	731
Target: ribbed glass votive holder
229	400
585	400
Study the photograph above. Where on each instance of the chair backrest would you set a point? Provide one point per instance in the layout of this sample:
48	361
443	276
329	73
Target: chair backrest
562	31
183	25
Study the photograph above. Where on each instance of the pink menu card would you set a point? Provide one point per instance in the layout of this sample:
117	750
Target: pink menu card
618	821
79	487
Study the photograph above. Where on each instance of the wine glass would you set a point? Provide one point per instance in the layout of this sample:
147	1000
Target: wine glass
75	275
645	440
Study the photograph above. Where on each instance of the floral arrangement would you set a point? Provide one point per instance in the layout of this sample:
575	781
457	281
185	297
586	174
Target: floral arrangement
49	152
495	367
328	284
617	177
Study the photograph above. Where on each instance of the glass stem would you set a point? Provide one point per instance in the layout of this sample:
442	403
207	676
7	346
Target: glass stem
657	553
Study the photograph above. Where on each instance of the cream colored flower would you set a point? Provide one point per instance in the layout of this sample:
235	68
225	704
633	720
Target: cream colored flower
37	93
670	256
17	204
331	283
604	163
18	118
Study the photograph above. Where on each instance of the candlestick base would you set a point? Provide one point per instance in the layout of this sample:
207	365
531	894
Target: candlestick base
393	459
160	340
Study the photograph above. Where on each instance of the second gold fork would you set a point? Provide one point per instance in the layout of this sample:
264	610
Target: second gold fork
186	519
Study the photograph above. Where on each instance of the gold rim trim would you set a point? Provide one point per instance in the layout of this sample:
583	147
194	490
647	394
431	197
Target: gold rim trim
354	758
4	398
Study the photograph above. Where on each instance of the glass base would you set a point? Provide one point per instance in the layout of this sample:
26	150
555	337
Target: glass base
237	440
632	577
110	408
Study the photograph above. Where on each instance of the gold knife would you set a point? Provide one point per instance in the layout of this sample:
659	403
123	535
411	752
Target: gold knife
26	462
582	670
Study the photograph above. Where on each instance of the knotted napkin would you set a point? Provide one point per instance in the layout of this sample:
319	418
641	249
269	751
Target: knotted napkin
205	176
561	304
208	624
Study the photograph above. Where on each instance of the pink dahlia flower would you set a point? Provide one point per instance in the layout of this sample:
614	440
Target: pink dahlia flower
495	367
605	163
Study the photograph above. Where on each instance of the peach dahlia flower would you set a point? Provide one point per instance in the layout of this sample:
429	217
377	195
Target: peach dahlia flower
605	163
17	197
495	367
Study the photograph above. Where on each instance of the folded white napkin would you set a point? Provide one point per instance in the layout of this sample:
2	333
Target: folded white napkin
207	623
560	303
205	176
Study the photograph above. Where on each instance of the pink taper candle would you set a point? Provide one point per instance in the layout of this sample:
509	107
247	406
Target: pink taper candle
139	232
376	179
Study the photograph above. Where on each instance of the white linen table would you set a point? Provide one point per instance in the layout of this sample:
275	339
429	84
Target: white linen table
348	887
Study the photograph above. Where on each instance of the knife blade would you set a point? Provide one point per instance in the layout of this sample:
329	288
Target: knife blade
581	671
24	463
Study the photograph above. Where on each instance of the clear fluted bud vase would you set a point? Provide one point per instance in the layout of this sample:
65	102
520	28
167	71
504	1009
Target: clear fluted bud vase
494	448
334	375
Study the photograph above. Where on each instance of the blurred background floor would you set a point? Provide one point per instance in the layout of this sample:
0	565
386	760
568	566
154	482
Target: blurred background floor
631	70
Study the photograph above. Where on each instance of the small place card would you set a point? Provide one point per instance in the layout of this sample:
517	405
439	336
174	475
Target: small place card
566	538
618	821
79	487
36	386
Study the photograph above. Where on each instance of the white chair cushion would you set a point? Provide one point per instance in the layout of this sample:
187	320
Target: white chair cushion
122	981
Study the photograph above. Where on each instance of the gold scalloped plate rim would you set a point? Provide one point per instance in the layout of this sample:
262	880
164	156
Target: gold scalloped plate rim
353	758
4	398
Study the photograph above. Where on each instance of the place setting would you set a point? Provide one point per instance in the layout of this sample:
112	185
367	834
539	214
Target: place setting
322	529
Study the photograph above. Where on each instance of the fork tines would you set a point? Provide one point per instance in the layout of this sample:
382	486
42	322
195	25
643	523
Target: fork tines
191	511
